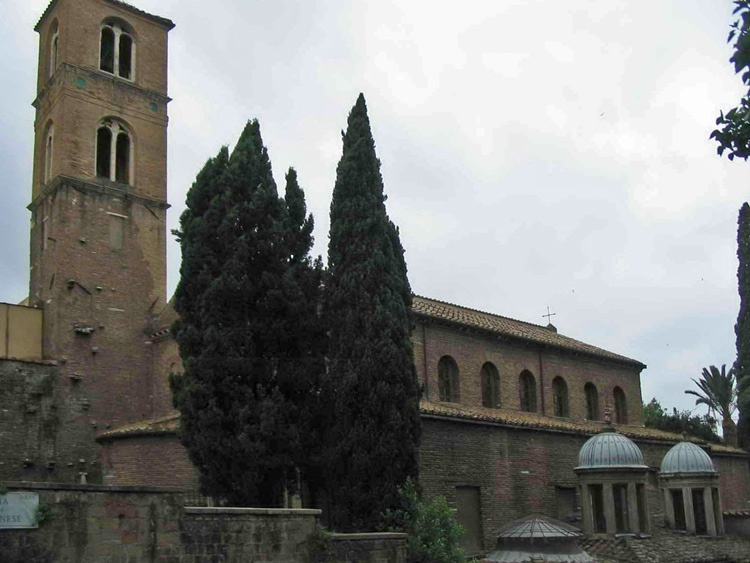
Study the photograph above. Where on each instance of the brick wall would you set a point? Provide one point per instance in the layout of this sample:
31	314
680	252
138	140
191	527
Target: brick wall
472	349
518	471
156	460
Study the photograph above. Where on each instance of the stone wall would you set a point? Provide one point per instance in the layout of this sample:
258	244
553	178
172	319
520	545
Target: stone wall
353	548
40	433
93	523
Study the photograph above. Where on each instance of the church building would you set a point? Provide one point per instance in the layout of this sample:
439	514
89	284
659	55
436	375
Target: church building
84	362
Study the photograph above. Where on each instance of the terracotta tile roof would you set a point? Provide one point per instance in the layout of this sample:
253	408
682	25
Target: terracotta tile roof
169	24
455	314
535	420
170	423
512	328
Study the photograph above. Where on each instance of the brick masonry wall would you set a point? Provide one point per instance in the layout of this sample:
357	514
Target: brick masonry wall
157	460
82	282
471	350
166	360
518	470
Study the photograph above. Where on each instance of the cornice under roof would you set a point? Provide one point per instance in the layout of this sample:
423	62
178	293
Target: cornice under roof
169	24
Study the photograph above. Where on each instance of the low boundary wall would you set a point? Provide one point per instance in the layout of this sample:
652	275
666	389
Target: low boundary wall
96	523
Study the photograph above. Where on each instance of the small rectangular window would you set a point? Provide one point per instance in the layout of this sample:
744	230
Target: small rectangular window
117	231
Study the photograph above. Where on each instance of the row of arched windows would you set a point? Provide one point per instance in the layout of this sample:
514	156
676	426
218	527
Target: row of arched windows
449	390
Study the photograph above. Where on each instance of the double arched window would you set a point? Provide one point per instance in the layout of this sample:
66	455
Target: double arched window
527	391
490	386
448	382
117	50
113	151
592	401
621	406
560	397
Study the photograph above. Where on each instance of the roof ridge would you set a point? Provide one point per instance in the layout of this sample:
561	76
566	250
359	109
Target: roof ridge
484	312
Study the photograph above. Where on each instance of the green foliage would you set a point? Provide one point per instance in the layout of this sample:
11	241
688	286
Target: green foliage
717	391
433	532
371	385
733	133
703	427
742	328
44	512
249	334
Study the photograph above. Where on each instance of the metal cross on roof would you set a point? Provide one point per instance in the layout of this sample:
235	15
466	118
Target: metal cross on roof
548	315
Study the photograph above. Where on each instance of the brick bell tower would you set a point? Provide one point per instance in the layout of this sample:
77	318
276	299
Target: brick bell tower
99	201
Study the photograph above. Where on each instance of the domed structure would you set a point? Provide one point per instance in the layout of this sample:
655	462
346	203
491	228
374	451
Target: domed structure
613	480
609	449
687	457
690	485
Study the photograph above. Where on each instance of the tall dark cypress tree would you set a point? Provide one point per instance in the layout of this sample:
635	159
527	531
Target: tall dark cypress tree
374	430
742	328
247	286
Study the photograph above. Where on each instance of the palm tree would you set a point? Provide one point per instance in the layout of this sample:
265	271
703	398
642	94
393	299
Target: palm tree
719	393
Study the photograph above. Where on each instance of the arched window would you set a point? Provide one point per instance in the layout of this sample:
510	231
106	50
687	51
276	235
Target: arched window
592	401
560	396
117	50
448	379
54	45
527	391
49	142
490	386
621	406
113	151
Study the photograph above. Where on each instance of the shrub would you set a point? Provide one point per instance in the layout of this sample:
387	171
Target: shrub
433	531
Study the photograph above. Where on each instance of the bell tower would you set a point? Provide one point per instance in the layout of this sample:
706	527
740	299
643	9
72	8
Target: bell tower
99	201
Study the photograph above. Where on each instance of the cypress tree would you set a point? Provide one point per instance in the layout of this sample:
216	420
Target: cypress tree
742	328
373	433
246	284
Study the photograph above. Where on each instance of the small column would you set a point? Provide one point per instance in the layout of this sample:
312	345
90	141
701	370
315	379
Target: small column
635	526
718	514
609	509
669	508
586	508
709	504
687	500
643	501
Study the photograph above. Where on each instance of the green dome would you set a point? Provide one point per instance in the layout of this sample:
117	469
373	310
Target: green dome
686	457
609	449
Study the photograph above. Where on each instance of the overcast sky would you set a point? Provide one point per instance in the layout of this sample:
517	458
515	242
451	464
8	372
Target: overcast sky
534	153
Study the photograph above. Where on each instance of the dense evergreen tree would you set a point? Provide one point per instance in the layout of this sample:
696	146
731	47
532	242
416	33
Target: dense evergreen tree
248	331
742	328
374	430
